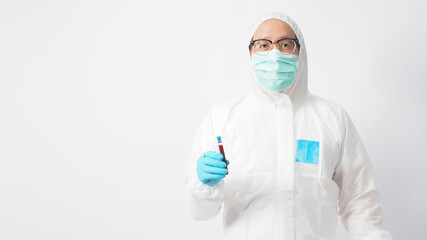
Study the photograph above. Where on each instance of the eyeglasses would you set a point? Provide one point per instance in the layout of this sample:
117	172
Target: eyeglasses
285	45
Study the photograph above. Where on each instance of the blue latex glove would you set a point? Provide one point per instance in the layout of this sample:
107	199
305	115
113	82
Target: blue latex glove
211	168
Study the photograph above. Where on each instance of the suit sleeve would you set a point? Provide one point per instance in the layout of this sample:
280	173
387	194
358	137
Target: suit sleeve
359	198
203	201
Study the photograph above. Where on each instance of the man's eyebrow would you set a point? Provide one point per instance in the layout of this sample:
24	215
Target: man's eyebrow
282	37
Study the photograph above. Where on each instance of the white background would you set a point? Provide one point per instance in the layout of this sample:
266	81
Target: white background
100	100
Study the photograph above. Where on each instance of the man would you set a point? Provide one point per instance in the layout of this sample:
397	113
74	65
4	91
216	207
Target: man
294	157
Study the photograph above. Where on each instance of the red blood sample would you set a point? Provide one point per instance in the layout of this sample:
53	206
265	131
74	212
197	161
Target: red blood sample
221	150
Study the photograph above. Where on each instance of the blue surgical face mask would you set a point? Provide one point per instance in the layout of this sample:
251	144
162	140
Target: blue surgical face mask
275	70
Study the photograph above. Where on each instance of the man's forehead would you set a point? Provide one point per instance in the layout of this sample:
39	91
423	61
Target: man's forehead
279	37
264	31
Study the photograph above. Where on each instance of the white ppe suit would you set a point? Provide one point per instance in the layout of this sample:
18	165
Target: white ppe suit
294	159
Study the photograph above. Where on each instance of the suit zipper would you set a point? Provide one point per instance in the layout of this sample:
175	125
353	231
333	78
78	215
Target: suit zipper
278	170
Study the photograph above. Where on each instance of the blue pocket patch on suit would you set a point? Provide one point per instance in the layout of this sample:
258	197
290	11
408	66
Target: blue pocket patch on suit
307	151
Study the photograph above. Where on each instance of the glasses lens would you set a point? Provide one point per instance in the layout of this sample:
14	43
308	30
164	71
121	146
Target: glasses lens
262	47
287	45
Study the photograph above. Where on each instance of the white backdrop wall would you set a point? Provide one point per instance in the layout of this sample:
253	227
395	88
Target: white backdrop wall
100	100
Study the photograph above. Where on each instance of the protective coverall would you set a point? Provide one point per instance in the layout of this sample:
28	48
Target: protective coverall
296	161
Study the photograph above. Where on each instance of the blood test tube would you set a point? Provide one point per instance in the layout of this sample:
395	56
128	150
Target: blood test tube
221	150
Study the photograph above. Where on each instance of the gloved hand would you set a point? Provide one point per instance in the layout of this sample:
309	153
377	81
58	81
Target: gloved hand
211	168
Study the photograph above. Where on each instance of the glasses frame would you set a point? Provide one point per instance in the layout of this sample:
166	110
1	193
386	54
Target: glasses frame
251	44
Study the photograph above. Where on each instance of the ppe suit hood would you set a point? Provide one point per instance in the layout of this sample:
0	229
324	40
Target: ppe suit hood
298	90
